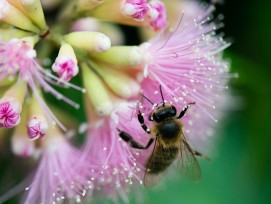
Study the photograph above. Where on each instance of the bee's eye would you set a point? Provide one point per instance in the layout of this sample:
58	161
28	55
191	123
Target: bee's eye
156	118
174	111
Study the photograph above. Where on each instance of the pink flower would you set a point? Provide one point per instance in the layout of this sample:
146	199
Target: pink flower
187	63
114	167
56	178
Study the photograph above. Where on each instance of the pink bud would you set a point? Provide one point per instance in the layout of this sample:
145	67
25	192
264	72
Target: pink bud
157	14
135	8
37	127
10	109
65	67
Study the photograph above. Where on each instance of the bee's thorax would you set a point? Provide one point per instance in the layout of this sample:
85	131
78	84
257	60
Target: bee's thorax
169	130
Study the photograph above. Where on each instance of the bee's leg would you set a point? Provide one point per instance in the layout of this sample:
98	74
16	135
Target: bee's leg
182	113
129	139
141	121
200	155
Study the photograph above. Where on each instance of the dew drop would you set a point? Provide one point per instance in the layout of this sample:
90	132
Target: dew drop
78	200
84	192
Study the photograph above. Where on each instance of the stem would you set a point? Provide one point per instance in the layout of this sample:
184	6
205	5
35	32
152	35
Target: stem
56	33
45	34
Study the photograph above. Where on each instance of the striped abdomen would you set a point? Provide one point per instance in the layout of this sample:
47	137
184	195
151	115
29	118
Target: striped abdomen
161	159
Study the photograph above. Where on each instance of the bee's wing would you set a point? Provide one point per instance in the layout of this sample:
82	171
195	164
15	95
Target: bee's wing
188	162
150	178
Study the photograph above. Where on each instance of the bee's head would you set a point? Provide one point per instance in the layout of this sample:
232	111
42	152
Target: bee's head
163	112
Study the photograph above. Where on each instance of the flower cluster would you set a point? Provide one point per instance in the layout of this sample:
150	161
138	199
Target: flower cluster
119	85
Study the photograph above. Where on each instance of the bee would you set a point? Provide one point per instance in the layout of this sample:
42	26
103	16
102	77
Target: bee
169	143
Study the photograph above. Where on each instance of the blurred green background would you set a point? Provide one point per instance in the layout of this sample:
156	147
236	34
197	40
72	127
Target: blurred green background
240	170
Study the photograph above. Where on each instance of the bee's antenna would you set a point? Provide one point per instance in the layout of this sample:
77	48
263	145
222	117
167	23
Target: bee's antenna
148	99
160	87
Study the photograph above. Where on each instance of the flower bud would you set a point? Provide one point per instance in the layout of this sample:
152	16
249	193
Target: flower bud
121	55
20	143
90	41
89	4
37	127
133	12
92	24
17	4
121	84
8	34
34	12
11	105
66	63
10	109
157	15
14	16
86	24
135	9
96	91
37	124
